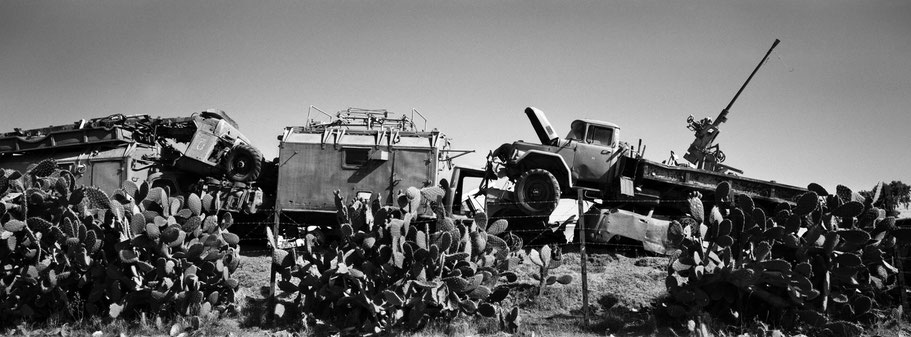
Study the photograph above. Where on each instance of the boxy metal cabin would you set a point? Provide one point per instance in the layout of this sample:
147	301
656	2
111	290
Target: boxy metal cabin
361	153
99	153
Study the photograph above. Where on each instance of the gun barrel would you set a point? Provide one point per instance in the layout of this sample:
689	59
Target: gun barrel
774	44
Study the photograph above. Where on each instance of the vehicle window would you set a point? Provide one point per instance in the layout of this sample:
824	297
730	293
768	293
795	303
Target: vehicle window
600	136
576	132
354	158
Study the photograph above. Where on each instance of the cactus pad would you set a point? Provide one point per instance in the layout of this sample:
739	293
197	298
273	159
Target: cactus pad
456	283
231	238
208	202
723	193
282	258
849	209
194	204
210	224
128	256
808	202
97	198
192	224
497	227
152	231
14	225
445	225
480	219
44	168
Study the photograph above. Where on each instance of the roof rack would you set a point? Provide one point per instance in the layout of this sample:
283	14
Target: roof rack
364	119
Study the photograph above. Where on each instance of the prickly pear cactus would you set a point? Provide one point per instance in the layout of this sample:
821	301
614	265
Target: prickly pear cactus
75	247
546	259
823	261
398	270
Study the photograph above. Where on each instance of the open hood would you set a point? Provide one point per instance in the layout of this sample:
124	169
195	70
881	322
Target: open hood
542	127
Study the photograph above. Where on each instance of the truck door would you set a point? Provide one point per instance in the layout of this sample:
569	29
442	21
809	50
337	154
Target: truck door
413	168
595	157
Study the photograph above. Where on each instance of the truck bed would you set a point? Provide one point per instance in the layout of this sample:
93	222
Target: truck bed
656	176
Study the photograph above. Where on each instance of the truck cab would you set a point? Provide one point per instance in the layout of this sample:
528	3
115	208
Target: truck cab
547	171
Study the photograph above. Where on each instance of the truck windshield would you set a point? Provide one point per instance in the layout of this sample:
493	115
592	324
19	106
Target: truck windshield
600	136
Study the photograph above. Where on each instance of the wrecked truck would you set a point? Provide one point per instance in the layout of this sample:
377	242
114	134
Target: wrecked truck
633	196
625	194
592	160
204	153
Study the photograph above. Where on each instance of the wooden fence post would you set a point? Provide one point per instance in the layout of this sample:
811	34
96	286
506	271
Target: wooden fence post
583	256
270	303
899	258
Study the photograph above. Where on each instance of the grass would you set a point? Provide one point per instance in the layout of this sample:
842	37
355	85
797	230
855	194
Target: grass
621	292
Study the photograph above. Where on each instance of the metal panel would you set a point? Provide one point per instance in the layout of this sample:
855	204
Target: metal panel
309	173
201	147
66	138
107	175
414	168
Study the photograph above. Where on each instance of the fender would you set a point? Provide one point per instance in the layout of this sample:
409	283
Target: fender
550	161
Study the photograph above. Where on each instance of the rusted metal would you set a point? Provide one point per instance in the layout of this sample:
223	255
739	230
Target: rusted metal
185	154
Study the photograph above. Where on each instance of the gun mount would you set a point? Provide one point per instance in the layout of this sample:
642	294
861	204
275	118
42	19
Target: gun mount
703	152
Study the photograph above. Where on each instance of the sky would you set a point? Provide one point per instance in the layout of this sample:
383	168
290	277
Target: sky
832	104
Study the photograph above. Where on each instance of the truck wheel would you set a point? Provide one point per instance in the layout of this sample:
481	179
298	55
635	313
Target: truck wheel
243	163
538	192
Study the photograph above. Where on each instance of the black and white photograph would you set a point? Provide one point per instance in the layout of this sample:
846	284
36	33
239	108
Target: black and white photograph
460	168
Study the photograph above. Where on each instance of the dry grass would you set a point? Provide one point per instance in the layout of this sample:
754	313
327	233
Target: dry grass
621	291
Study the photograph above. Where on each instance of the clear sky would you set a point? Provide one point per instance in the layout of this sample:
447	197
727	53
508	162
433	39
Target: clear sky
832	105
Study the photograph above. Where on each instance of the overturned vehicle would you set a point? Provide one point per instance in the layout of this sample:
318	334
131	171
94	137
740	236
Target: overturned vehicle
203	153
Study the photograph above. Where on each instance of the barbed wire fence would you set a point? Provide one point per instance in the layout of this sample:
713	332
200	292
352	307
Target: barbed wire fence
574	240
254	233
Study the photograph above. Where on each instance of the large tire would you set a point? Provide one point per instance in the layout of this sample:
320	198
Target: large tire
243	163
537	192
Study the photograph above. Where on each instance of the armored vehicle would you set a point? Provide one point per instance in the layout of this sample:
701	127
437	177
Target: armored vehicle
202	153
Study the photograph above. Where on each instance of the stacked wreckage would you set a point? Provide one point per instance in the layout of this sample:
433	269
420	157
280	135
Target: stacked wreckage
372	155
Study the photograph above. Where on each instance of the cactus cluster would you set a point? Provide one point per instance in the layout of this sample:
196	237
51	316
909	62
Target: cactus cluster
393	268
546	259
139	250
824	263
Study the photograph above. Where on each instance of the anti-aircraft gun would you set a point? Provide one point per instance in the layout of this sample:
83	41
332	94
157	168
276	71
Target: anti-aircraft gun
594	161
704	153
